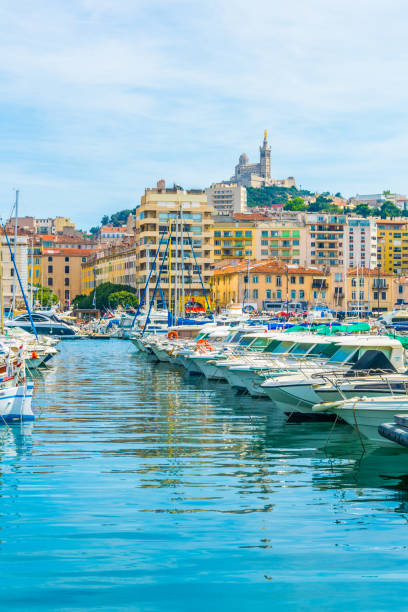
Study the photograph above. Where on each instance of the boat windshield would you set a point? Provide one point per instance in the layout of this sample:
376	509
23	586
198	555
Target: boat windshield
261	343
237	337
344	354
246	341
300	348
202	335
283	347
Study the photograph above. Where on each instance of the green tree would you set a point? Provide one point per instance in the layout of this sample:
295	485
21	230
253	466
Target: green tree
363	210
103	293
296	203
44	296
105	220
268	196
338	195
389	210
323	204
94	230
123	298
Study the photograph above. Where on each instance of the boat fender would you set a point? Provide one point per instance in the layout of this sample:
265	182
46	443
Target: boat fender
324	406
34	355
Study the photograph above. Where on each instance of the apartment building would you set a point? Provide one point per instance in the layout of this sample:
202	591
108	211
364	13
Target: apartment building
227	198
8	272
362	289
188	217
115	264
325	239
264	281
392	247
61	271
254	236
360	242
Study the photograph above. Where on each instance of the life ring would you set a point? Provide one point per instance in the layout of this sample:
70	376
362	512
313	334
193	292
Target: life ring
172	335
203	346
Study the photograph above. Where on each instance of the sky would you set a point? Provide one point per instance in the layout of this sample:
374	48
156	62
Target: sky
101	98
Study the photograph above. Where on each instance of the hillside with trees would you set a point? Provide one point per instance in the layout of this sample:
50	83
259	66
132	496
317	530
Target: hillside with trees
267	196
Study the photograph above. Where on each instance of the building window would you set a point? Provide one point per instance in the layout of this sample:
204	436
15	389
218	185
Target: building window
66	282
279	294
255	279
361	295
268	280
353	295
255	294
66	269
268	294
83	259
264	234
67	259
293	280
49	258
279	281
293	294
50	269
50	282
12	272
301	294
383	295
338	277
301	280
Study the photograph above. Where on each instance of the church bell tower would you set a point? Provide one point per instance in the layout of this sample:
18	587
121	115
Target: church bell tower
265	158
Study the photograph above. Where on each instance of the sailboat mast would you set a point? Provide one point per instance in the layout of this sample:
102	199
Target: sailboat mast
176	273
183	296
15	248
1	289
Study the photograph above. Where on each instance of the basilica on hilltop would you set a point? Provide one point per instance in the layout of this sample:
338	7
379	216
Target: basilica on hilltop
259	175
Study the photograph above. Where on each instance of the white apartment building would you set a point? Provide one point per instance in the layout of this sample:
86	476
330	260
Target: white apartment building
360	242
227	199
9	276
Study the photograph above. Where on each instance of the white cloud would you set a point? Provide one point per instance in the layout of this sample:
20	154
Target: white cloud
100	93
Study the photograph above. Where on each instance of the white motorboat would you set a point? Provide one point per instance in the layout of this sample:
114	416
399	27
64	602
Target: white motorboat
46	324
296	392
366	414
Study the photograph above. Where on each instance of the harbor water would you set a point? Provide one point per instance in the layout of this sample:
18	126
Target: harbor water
138	488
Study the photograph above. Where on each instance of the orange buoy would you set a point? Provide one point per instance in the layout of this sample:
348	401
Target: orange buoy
34	355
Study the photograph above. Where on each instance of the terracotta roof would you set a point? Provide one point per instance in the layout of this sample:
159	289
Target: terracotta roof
367	272
267	266
250	217
112	228
56	251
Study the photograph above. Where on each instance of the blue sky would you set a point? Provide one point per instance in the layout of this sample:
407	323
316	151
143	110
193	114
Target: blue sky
101	98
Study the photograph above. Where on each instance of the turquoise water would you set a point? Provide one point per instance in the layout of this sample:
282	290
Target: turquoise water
139	489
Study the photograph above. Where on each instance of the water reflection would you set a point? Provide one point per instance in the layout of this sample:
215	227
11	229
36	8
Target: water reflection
137	482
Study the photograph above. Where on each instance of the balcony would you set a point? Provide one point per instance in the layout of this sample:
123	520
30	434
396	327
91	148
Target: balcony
319	284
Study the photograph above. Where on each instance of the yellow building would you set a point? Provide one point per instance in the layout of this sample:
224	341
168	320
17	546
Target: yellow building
61	223
363	289
268	281
254	236
234	238
35	261
189	217
392	241
113	265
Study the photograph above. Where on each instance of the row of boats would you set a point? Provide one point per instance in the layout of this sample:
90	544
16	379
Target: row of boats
345	373
21	356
